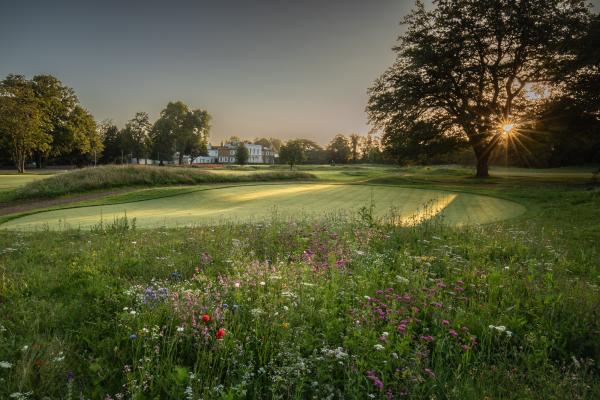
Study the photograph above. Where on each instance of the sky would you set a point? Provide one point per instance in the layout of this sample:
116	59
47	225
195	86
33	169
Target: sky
261	68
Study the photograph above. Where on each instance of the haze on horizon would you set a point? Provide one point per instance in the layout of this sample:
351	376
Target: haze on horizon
261	68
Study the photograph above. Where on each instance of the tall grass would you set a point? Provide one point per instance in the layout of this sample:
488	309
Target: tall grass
108	177
344	307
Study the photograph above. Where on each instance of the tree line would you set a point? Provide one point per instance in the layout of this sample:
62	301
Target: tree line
41	120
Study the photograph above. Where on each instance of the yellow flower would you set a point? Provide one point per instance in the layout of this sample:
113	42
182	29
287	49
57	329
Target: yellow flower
285	325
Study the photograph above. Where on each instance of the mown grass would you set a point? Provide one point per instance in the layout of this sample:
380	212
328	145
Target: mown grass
109	177
329	308
208	205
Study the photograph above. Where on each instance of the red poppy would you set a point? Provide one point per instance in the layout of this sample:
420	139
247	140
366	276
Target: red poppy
220	334
206	318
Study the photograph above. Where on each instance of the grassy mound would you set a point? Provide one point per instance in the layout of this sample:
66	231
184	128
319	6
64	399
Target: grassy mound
108	177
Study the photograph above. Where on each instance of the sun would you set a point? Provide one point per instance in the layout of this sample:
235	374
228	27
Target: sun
507	128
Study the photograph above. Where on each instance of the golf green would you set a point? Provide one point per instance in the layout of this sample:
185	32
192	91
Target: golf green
213	205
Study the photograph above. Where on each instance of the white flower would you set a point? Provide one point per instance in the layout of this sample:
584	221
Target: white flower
401	279
262	283
132	312
25	348
5	364
180	329
59	358
378	347
385	334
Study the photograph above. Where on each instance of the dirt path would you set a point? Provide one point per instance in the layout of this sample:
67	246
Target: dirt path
19	206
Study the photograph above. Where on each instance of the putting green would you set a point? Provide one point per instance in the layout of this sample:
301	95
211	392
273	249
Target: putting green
215	205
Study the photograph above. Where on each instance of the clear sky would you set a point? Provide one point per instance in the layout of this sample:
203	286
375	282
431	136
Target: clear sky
261	68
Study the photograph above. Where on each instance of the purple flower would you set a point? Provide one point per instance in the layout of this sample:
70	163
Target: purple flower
375	379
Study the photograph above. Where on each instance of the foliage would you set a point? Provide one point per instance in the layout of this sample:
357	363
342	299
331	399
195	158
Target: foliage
355	143
293	152
135	137
180	130
23	125
242	154
339	150
465	68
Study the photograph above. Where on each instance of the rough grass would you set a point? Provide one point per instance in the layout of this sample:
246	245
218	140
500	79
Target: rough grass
108	177
338	308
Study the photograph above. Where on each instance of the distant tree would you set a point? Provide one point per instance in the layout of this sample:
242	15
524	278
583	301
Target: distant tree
242	154
181	130
264	142
465	72
339	149
196	132
83	136
233	140
370	149
355	142
292	152
23	126
276	143
136	138
111	141
313	153
58	104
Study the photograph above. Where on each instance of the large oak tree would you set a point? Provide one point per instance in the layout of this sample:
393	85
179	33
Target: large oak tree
466	68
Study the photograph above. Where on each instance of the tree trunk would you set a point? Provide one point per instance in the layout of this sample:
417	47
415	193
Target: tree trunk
482	167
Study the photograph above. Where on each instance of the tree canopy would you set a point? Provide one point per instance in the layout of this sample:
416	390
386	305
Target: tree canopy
467	72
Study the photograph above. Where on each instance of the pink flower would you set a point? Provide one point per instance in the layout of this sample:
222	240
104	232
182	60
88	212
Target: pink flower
453	333
445	322
429	372
427	338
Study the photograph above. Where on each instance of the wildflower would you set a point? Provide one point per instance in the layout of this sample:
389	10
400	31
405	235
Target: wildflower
24	348
453	333
375	379
5	364
132	312
285	325
180	329
236	284
378	347
133	336
205	258
445	322
429	372
206	318
427	338
262	283
220	333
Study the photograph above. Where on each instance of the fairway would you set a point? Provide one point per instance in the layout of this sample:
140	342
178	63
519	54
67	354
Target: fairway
11	181
256	203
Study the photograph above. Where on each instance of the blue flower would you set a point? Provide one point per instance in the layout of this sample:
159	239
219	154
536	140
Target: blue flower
133	336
